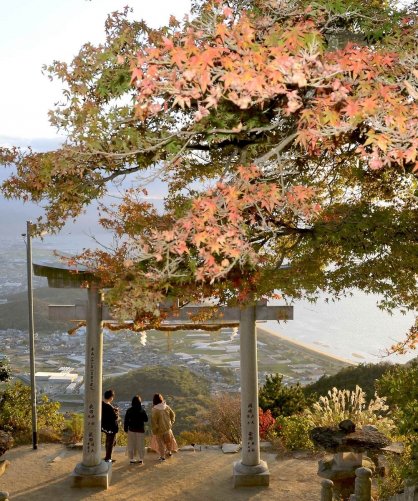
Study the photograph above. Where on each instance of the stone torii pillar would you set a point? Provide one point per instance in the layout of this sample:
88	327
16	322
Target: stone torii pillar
251	470
92	471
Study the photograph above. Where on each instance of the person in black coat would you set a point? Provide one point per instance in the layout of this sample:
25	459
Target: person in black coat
110	426
134	426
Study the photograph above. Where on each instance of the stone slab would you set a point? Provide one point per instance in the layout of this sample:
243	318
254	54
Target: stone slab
187	448
92	480
231	448
395	447
250	479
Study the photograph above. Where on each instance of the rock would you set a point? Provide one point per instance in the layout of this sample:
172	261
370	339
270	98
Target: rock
336	440
328	438
347	426
4	496
395	447
366	440
369	427
231	448
4	464
6	442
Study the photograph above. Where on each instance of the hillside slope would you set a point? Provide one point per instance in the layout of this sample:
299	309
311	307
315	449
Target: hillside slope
363	375
172	382
14	313
185	392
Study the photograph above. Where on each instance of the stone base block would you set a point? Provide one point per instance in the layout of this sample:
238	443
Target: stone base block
92	476
251	476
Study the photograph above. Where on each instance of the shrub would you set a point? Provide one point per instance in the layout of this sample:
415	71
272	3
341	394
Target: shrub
267	423
222	417
16	414
281	400
196	437
398	468
294	432
121	438
400	385
345	404
74	429
5	371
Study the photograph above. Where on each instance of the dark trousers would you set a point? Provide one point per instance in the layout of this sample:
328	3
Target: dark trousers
110	443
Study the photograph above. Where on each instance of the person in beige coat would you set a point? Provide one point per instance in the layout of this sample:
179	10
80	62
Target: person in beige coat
162	420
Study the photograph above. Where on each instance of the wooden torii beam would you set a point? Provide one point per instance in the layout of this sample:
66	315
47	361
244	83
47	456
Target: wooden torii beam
251	470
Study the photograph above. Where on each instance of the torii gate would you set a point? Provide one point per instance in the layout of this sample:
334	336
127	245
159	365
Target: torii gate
93	471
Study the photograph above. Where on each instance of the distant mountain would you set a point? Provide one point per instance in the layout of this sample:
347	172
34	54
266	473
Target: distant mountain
15	213
14	313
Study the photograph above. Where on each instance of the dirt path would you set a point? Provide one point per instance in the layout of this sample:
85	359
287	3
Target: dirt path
44	475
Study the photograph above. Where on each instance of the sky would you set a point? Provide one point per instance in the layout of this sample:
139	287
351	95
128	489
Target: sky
36	32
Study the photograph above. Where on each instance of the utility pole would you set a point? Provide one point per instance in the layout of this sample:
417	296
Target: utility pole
29	227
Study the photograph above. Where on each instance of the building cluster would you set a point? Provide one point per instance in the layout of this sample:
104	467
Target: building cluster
60	358
63	382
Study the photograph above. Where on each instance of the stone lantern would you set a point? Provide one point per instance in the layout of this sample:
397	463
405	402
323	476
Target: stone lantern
349	446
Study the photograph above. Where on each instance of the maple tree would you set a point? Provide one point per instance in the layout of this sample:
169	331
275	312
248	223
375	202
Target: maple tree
286	132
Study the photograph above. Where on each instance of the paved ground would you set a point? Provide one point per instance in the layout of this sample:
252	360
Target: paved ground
44	475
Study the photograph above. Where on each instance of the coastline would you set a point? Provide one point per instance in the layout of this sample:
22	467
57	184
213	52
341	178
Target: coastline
305	346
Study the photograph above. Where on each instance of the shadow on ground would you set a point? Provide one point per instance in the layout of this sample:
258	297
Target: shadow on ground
44	475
